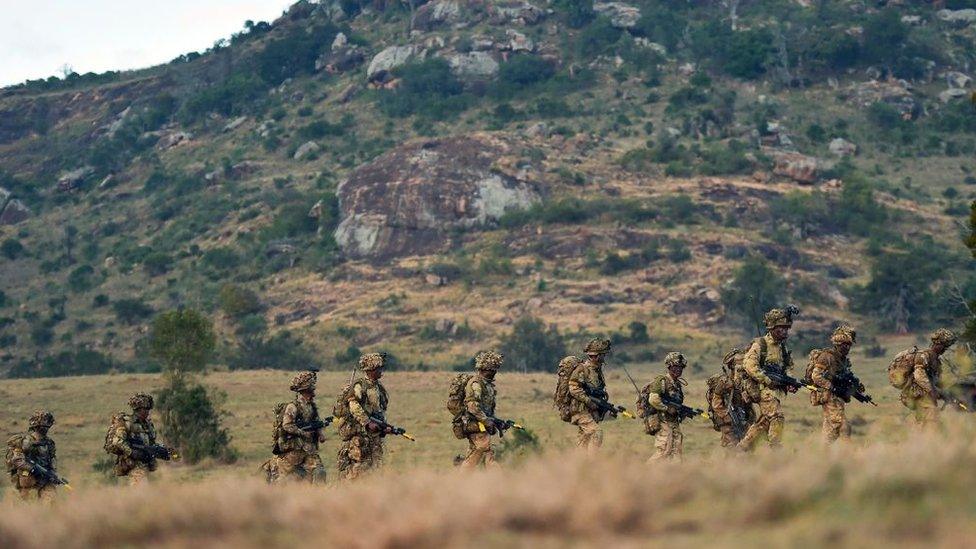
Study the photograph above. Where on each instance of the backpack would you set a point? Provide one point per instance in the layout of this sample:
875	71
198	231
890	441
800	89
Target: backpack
12	443
561	398
340	411
900	369
811	362
276	432
643	406
455	397
710	385
117	420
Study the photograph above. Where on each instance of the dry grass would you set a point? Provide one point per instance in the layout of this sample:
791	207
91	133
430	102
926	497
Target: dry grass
917	492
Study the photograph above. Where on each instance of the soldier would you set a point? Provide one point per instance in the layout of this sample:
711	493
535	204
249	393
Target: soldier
479	410
725	400
132	439
28	454
361	416
585	381
924	388
767	350
298	444
668	440
826	365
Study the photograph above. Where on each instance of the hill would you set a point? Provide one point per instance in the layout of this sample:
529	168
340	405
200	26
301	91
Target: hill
419	176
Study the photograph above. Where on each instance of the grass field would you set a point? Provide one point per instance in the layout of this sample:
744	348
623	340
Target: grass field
892	486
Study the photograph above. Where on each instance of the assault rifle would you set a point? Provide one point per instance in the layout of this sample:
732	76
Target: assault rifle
48	475
738	417
682	410
949	398
777	374
387	429
153	451
501	424
602	402
846	385
317	425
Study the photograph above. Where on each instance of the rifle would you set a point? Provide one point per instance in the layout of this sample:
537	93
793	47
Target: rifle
603	404
317	425
845	385
502	425
738	417
387	429
47	474
154	451
682	410
778	376
949	398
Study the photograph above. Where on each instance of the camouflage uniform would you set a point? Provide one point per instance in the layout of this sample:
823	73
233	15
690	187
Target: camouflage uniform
127	428
35	447
479	404
585	415
362	449
298	457
668	441
723	390
771	420
825	365
921	394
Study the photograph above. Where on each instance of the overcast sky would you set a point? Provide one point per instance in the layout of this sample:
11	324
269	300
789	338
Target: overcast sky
38	37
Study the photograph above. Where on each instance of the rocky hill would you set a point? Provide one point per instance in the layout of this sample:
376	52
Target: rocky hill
418	176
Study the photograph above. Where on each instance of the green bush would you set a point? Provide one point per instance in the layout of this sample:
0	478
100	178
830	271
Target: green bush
237	301
182	340
428	89
599	38
525	70
79	362
157	263
81	279
280	351
899	294
130	311
576	13
11	248
295	53
532	347
191	421
755	288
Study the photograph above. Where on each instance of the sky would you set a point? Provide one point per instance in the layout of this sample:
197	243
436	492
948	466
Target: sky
39	37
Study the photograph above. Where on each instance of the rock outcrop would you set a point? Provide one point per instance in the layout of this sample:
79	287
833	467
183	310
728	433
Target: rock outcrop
12	211
447	13
622	16
382	65
415	198
796	166
473	66
959	18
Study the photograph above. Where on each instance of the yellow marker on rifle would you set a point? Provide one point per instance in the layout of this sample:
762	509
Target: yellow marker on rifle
481	427
625	413
408	437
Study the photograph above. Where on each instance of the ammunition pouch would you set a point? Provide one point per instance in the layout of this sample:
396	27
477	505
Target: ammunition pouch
652	423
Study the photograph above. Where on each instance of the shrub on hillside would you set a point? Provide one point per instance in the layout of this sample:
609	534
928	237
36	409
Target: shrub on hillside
11	248
531	346
130	311
79	362
427	88
237	301
755	288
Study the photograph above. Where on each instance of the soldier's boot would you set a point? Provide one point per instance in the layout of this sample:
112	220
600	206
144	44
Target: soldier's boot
479	448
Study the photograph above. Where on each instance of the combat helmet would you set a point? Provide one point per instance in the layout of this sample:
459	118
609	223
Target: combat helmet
41	419
304	381
141	401
372	361
844	334
488	360
597	346
675	359
780	317
944	337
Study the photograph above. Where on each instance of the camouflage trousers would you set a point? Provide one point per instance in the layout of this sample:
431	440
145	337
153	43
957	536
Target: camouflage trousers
32	489
925	409
359	454
668	441
729	440
590	436
834	420
479	452
770	422
296	466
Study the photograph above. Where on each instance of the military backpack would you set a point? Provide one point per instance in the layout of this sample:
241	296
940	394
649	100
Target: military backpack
276	431
118	420
900	369
12	444
455	397
561	398
711	385
652	420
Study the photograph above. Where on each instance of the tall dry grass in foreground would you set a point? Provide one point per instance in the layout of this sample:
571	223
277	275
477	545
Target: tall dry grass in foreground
918	492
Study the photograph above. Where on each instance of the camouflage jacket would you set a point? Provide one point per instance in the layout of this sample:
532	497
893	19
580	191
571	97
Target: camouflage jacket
31	446
721	389
367	398
827	364
755	359
296	414
126	428
586	376
479	398
667	386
